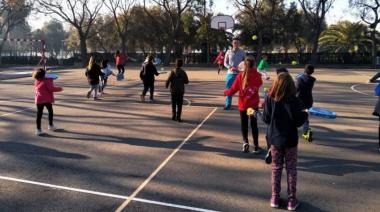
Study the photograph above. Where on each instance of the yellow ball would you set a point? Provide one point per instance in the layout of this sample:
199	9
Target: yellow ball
254	37
294	62
250	111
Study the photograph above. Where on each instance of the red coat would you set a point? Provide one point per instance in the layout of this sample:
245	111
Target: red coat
220	58
249	97
45	91
120	59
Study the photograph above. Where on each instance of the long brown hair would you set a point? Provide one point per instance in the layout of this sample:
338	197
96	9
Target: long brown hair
249	63
91	63
283	88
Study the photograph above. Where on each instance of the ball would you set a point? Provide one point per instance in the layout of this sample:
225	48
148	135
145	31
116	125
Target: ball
254	37
250	111
294	62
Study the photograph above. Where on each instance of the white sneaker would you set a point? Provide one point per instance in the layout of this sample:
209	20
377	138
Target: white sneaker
39	132
52	127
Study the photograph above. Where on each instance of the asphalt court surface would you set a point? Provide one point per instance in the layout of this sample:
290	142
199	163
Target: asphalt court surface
108	148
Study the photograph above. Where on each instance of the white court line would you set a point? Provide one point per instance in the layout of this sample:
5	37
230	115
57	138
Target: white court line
353	88
103	194
161	166
17	111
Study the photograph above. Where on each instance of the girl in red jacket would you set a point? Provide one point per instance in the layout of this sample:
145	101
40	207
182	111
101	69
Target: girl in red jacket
220	60
44	97
248	84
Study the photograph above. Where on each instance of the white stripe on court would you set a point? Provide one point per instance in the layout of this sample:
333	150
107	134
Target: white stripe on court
103	194
17	111
161	166
353	88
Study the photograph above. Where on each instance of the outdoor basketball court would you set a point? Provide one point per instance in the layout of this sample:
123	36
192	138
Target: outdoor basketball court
117	148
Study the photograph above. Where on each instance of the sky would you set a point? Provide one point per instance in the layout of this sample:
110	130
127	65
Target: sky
340	11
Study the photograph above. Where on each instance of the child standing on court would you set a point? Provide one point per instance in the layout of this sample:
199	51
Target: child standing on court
120	60
264	67
107	71
305	84
220	60
283	113
147	75
376	112
44	97
177	80
248	84
93	72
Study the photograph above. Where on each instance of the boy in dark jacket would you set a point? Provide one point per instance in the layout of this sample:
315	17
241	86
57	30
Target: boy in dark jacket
177	80
305	84
147	75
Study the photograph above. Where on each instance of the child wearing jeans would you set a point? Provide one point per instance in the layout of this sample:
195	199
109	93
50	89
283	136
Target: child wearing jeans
305	84
44	97
248	84
283	113
177	80
107	71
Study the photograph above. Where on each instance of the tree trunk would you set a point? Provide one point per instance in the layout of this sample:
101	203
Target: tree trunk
259	47
168	52
314	52
123	44
374	48
83	50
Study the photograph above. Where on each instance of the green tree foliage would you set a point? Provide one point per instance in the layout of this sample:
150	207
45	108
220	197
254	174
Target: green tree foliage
344	37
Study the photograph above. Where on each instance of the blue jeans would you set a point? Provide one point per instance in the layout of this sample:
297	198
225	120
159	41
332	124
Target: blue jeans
230	78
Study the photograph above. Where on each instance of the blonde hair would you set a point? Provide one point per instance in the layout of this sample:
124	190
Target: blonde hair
249	63
283	87
91	63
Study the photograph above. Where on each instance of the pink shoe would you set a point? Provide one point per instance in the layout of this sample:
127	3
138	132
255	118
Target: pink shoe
275	202
293	205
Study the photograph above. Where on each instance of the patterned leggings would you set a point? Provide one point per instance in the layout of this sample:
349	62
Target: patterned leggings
278	157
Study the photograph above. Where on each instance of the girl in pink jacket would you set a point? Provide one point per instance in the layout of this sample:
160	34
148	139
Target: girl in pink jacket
44	97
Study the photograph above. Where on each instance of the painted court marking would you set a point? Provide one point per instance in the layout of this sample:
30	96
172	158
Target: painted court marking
353	88
103	194
161	166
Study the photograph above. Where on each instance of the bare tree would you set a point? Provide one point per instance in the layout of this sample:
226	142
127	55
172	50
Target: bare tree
80	14
262	14
369	13
12	14
121	10
174	9
315	13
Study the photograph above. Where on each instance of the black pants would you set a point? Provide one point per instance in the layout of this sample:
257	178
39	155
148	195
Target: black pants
244	127
40	110
121	69
220	67
103	84
177	102
148	86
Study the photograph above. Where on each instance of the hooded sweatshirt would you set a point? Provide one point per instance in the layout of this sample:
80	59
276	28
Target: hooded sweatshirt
177	80
305	84
248	96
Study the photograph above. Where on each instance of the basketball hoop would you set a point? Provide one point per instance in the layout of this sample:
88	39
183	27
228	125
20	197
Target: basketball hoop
222	22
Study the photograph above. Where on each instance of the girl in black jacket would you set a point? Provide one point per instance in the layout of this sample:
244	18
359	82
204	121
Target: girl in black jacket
283	112
147	75
93	72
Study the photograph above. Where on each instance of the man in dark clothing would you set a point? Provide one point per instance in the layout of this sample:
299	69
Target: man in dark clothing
177	80
305	84
147	75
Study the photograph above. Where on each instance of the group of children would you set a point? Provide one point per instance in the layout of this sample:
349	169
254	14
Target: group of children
284	110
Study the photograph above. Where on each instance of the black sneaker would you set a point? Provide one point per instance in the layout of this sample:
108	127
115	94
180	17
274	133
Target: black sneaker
268	157
246	148
256	150
174	118
227	108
